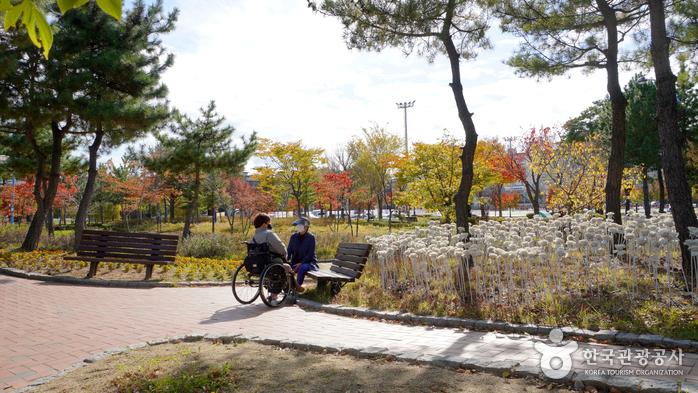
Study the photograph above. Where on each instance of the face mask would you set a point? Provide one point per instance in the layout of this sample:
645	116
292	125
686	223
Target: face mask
269	226
300	228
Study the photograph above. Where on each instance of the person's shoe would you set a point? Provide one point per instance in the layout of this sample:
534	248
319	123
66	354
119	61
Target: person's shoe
300	289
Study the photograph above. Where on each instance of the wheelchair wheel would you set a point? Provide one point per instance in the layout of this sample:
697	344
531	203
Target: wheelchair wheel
275	285
245	285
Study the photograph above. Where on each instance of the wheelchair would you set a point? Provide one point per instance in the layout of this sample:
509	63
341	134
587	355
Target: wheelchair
259	275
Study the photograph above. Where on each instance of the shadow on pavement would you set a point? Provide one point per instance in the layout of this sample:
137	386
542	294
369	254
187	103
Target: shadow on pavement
237	313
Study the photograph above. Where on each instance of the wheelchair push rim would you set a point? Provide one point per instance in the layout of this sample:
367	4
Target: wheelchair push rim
275	280
245	286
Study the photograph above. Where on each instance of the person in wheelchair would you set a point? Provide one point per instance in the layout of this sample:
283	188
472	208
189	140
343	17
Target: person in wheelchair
264	234
301	252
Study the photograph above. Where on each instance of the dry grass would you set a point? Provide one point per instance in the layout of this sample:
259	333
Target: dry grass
251	367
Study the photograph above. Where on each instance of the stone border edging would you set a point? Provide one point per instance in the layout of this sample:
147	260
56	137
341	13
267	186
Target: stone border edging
497	368
609	336
107	283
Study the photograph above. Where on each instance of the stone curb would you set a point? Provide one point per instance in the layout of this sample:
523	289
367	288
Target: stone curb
607	336
107	283
497	368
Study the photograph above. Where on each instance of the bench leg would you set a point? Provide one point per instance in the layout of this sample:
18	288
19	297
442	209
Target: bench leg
148	271
321	284
93	270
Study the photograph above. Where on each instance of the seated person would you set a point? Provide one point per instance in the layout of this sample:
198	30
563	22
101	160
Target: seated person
301	251
264	234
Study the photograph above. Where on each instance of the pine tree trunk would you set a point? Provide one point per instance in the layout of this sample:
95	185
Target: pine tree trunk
88	192
31	240
466	119
614	176
173	199
670	137
186	232
646	194
662	192
49	222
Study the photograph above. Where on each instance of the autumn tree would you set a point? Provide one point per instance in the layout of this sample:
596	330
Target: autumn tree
576	174
455	28
517	162
289	169
431	173
562	35
333	190
374	155
193	147
245	201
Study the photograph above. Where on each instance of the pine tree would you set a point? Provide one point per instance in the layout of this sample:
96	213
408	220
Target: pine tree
120	67
196	147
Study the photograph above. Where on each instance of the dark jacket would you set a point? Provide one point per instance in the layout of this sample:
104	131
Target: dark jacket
301	249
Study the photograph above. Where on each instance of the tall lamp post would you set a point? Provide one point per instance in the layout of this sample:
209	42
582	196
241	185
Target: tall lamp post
404	106
3	159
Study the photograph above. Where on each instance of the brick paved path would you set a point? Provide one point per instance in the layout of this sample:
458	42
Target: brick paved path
46	327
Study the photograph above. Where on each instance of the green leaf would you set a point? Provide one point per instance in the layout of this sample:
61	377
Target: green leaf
5	5
29	21
13	14
45	32
67	5
111	7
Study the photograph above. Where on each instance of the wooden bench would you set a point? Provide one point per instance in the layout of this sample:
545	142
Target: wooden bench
347	266
123	247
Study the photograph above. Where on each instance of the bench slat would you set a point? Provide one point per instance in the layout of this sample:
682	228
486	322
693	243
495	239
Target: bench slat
142	235
345	271
134	240
319	274
118	260
349	265
122	250
130	246
351	258
125	256
352	251
356	246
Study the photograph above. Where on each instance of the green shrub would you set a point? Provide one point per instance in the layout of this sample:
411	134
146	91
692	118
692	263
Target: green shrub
207	246
189	380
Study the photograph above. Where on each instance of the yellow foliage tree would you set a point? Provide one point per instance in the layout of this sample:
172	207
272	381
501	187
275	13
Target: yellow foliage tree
576	173
290	171
431	174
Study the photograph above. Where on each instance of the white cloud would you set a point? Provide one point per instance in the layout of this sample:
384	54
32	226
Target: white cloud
277	68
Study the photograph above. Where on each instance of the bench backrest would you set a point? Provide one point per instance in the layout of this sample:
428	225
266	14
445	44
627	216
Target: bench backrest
128	246
351	259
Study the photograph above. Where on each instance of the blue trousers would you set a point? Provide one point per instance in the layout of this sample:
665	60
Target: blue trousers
305	267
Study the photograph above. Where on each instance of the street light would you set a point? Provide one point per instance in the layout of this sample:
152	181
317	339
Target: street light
3	159
405	105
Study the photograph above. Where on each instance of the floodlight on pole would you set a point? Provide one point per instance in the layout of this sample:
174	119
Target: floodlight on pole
404	106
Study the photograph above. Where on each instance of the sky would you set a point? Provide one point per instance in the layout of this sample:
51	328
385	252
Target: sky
275	67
